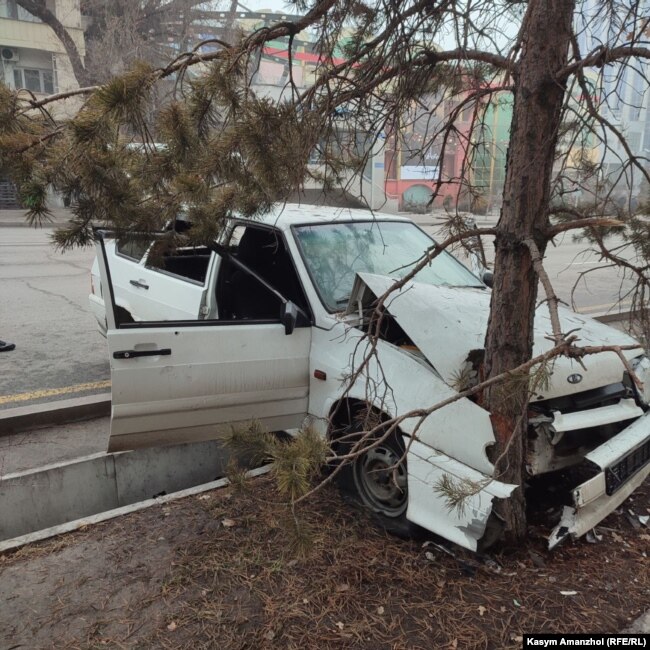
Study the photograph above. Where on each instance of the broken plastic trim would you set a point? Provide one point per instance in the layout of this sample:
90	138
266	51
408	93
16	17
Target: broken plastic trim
629	454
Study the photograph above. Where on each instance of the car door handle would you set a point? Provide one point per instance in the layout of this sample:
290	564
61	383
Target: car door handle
129	354
139	283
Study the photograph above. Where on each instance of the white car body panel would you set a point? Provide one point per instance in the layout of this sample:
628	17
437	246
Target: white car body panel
98	310
626	409
441	438
167	297
216	376
428	506
220	374
403	383
447	322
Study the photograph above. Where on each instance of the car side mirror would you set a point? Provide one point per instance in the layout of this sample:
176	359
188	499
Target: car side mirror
289	317
488	278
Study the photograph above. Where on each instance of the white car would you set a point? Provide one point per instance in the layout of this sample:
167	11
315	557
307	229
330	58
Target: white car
269	328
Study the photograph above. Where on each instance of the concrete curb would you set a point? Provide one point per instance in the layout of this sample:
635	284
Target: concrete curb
24	224
23	418
163	474
52	495
16	218
70	526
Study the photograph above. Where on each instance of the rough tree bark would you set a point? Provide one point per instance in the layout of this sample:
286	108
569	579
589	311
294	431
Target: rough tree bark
538	98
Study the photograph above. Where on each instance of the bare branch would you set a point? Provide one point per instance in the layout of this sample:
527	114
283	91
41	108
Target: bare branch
602	56
551	297
582	222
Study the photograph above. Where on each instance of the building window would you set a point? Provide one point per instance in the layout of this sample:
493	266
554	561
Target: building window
38	81
9	9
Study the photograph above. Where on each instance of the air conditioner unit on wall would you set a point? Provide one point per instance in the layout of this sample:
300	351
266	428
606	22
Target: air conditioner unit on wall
8	55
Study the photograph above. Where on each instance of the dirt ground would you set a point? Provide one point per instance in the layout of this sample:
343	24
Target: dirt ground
220	570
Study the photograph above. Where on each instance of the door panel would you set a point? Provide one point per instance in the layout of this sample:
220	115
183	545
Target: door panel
207	378
166	297
123	269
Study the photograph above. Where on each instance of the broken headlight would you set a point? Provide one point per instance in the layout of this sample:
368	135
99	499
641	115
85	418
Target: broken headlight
641	367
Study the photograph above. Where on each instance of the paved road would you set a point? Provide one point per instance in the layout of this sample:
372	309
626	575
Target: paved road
598	289
60	354
44	311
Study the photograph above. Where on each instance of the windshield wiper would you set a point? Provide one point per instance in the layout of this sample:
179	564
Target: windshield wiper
343	301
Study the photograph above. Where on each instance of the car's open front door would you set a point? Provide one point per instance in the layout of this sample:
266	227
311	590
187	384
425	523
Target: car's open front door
175	382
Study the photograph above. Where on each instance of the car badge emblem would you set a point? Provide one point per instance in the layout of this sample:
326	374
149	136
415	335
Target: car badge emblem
574	379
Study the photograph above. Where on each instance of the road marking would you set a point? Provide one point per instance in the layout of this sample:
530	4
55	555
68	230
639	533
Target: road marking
52	392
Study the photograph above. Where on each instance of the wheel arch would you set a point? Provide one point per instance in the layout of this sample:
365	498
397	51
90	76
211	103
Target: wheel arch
344	410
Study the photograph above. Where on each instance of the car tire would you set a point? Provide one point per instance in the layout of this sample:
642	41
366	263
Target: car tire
377	482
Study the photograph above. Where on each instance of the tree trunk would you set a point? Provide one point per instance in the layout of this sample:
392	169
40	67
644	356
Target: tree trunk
538	99
37	8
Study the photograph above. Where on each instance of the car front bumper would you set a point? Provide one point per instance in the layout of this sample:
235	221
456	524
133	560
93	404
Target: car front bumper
624	464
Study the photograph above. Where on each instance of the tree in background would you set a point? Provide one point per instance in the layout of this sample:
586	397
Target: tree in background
120	32
228	151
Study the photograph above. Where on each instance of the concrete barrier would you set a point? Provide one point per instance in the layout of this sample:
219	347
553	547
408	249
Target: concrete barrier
63	492
34	416
61	529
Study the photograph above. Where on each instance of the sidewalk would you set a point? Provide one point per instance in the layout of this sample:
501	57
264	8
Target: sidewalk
18	218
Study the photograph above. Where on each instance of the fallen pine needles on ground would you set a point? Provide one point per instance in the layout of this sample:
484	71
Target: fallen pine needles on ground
219	570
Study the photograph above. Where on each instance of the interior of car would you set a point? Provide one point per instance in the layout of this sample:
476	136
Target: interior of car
241	295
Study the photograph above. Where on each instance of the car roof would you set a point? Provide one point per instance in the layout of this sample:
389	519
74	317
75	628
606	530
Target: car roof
289	214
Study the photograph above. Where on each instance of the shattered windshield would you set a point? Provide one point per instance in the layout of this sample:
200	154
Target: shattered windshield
335	252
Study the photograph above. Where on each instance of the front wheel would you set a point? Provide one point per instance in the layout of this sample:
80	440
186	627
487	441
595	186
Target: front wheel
380	480
377	480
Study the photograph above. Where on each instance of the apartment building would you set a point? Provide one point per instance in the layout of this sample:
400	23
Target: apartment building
32	57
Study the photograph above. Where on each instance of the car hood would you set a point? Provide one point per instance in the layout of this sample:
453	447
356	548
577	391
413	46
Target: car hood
445	323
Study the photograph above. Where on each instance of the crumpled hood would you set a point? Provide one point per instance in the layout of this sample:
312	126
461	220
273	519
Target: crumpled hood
445	323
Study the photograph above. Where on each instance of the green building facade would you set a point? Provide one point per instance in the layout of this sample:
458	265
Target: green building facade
489	148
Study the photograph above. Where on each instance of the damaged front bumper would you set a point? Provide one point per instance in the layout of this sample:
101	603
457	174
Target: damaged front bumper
622	463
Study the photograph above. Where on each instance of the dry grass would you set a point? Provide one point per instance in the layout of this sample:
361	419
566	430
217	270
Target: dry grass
225	575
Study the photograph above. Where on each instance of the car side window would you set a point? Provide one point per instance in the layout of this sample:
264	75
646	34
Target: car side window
187	263
134	249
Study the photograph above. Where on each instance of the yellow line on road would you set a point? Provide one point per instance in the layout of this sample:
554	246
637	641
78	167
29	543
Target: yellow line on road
52	392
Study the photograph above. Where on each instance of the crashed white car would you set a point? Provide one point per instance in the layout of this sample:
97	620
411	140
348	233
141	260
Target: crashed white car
282	306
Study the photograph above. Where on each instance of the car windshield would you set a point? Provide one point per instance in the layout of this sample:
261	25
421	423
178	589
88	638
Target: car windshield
335	252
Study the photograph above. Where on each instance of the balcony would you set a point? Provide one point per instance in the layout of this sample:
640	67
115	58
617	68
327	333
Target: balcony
35	36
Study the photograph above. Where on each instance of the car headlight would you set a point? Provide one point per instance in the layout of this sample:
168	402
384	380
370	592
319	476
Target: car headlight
641	367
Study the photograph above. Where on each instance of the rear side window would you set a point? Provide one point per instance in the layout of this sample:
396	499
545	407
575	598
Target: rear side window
134	249
186	263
